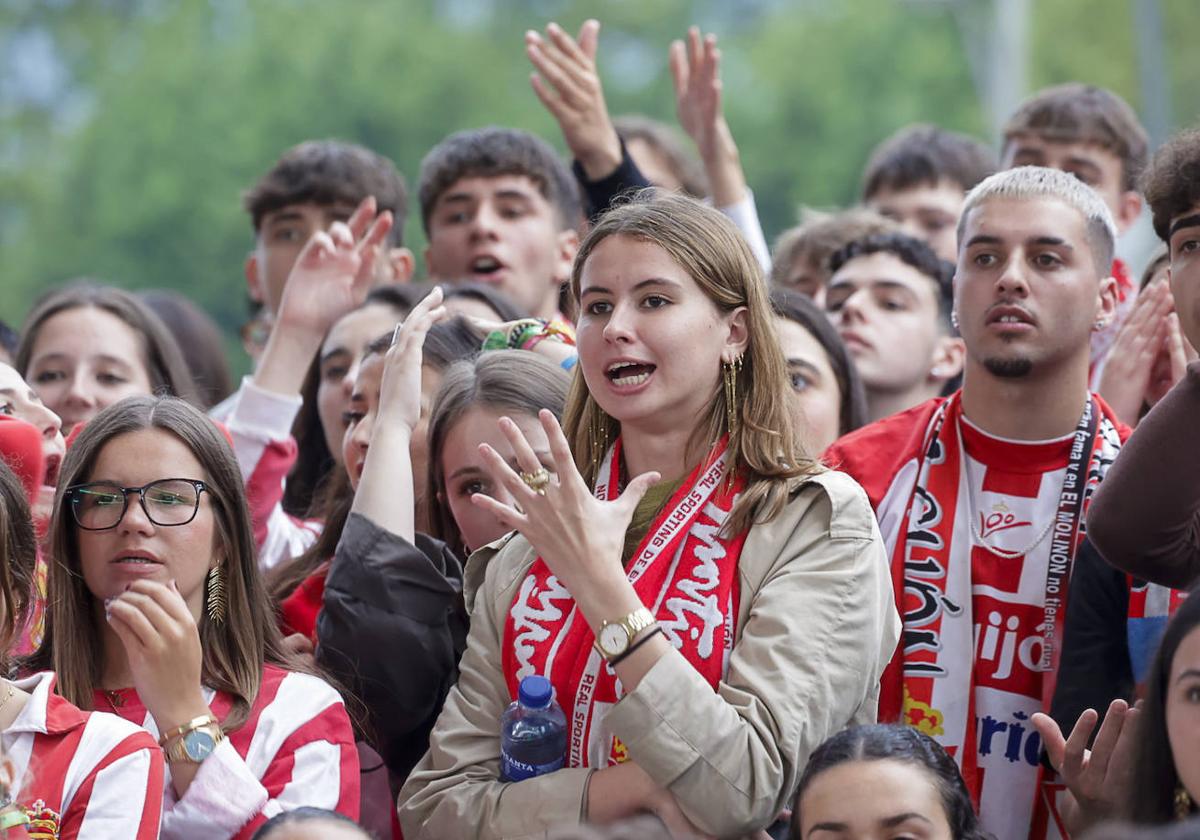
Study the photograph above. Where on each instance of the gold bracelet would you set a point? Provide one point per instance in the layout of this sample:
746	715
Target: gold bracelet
194	723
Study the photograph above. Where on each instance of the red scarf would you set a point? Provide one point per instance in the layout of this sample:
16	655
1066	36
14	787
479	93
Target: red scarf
931	681
682	570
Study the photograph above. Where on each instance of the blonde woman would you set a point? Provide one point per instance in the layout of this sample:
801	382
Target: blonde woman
739	592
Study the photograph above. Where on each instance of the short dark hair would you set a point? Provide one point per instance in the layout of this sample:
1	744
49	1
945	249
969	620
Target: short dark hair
491	152
330	172
1079	113
1172	181
800	308
922	154
879	742
302	815
910	251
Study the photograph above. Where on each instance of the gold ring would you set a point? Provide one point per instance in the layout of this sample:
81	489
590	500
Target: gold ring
537	481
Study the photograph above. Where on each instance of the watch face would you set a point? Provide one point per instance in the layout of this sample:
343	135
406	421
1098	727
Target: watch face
613	639
198	745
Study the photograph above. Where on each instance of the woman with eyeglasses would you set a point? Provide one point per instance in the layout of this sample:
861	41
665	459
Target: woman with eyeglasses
82	775
157	613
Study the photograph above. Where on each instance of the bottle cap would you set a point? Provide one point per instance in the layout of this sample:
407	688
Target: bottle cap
535	692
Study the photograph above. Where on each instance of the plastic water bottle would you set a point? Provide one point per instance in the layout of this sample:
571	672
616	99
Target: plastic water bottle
533	732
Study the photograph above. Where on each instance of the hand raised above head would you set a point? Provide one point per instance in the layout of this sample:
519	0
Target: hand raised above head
696	72
334	271
568	85
400	389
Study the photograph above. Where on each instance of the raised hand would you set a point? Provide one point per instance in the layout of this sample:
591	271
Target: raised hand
1171	364
1099	778
696	71
331	277
1126	381
385	492
334	271
568	85
400	389
579	536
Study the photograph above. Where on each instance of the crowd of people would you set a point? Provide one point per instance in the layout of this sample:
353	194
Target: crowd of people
883	531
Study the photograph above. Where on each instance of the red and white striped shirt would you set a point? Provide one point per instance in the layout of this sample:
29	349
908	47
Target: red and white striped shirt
260	427
295	749
93	774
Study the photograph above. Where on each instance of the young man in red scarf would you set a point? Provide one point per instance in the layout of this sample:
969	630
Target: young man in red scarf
1096	136
981	497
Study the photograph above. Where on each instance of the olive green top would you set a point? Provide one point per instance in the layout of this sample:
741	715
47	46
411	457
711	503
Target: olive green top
645	513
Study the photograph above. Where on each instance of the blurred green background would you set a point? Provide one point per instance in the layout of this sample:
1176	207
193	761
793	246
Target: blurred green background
129	128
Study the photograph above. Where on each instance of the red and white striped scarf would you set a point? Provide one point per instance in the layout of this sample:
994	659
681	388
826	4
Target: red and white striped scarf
931	682
683	570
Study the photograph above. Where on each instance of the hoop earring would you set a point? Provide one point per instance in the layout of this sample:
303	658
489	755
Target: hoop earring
729	376
214	601
1183	803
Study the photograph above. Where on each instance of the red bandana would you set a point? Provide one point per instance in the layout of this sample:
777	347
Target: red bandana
682	570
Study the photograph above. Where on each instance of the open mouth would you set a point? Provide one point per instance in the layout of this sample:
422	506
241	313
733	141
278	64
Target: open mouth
53	464
629	374
485	266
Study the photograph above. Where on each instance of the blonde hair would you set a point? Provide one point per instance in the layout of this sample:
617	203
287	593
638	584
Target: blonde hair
1026	183
764	444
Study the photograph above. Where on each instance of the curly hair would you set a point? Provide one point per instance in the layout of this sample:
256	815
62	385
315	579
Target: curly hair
1172	181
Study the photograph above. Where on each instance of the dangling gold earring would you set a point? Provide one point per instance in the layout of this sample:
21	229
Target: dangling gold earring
598	434
1183	803
729	374
215	599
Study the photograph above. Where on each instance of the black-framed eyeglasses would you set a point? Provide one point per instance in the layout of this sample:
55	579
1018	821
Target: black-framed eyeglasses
101	505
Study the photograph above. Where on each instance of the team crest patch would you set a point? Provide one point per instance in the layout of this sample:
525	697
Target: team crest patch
922	716
43	822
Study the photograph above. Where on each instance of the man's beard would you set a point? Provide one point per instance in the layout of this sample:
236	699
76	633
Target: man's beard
1008	368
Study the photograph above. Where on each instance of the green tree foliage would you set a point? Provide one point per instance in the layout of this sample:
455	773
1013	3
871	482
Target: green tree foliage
131	169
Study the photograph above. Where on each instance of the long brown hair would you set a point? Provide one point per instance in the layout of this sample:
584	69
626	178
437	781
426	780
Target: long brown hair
165	365
18	557
235	650
764	443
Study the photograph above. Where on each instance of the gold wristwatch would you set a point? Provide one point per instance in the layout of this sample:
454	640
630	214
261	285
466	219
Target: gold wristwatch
615	637
192	742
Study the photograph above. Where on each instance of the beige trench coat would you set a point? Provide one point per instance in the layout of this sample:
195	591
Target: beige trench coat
816	625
